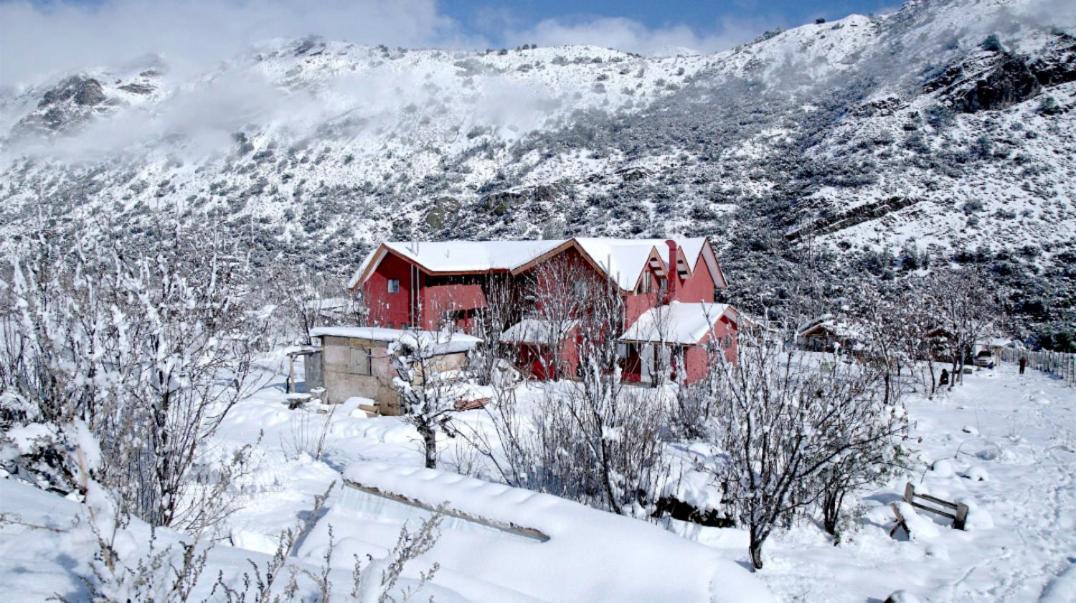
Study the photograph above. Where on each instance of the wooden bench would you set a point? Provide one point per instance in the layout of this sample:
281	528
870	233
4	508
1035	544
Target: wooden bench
957	512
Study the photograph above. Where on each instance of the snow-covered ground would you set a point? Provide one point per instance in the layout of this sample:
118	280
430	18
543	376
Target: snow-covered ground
1002	443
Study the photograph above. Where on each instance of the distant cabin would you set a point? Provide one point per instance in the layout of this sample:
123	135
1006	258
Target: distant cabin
828	334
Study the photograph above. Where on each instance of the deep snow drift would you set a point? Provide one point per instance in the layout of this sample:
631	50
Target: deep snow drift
1002	443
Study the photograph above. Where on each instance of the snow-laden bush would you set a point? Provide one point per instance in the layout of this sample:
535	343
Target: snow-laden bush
589	439
148	351
795	435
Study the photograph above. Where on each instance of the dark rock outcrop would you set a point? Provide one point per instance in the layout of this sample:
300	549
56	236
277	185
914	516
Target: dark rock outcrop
83	91
986	81
995	78
1057	63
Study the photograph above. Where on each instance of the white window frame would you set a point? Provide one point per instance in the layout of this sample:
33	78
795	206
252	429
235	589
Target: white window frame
394	285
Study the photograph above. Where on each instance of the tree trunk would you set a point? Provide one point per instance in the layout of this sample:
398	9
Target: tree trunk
933	381
429	440
832	501
755	548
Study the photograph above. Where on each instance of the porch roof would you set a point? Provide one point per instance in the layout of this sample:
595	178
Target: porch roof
534	330
679	323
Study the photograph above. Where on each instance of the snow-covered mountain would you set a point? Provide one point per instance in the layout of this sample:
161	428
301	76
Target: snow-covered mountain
944	129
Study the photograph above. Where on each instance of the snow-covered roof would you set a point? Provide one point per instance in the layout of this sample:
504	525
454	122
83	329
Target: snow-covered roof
834	326
676	323
461	256
999	342
532	330
435	342
622	259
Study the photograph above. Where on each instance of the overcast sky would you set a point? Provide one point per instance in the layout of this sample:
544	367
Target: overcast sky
38	39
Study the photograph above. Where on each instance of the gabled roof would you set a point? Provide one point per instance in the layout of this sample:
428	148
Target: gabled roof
622	259
678	323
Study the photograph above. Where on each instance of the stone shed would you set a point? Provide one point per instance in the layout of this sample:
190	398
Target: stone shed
356	361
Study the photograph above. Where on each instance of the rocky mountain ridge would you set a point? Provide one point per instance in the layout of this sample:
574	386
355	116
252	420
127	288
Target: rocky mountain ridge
942	132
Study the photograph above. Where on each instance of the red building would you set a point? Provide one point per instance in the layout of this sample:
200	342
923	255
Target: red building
667	287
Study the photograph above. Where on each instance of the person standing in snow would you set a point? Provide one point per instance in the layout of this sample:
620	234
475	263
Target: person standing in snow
1023	364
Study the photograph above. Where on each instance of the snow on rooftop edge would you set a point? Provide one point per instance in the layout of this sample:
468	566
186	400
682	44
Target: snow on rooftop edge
533	330
439	342
684	323
590	554
623	259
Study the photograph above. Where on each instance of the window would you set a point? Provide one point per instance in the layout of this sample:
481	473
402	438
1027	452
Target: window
361	361
646	282
579	288
394	285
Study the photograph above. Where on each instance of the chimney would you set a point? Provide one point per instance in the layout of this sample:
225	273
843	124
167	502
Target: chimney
674	273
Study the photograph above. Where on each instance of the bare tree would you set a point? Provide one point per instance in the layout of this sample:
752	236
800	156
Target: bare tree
307	299
149	351
511	449
782	423
428	389
590	439
490	323
617	436
965	307
560	292
889	325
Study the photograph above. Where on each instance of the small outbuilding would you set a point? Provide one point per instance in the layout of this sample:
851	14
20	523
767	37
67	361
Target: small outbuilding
678	336
997	345
828	334
356	361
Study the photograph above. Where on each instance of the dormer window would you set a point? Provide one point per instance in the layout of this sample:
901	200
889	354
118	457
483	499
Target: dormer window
646	283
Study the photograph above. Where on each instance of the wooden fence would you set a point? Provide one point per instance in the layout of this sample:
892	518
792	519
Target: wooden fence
1058	364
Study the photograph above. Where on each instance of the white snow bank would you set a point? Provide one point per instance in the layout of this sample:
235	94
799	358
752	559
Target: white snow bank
590	555
1061	589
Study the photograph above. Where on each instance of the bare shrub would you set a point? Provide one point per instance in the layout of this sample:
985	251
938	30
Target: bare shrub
428	393
149	351
793	434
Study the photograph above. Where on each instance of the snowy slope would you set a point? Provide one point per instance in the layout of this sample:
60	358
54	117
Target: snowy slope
943	126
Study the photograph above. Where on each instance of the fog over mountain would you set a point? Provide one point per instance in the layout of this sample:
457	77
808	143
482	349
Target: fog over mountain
820	158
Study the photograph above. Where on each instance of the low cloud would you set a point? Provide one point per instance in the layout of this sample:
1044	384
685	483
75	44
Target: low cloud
43	40
632	36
